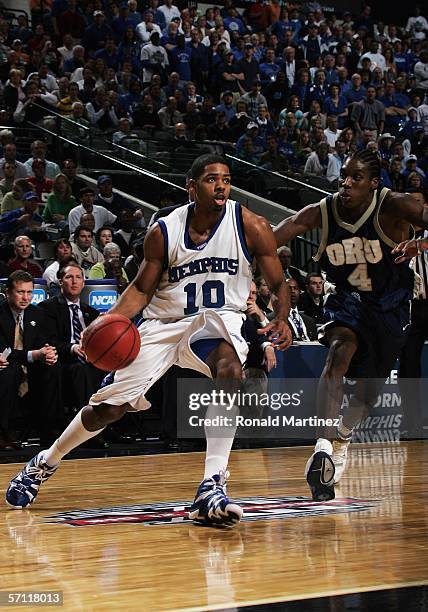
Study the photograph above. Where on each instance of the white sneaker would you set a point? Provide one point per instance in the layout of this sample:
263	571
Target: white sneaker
319	472
340	457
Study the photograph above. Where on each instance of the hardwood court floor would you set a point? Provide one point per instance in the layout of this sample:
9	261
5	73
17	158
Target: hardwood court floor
185	567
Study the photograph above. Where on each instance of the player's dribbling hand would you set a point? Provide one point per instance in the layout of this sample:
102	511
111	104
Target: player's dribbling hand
78	351
405	250
278	333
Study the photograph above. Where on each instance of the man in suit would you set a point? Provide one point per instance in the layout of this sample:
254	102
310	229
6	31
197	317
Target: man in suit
311	301
285	256
303	328
66	317
27	370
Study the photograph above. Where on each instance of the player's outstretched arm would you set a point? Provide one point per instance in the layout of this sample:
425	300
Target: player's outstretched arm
406	209
139	293
303	221
261	242
410	248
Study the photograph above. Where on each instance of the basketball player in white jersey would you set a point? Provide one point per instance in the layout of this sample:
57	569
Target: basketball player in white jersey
192	287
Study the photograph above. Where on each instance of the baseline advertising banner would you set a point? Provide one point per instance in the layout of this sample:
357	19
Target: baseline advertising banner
101	297
285	405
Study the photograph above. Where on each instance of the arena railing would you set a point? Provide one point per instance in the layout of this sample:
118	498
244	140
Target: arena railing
151	185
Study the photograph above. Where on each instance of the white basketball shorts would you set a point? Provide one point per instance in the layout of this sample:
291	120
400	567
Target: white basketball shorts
166	344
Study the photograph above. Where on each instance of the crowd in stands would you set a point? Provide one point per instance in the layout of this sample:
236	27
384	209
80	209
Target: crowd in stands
281	86
273	82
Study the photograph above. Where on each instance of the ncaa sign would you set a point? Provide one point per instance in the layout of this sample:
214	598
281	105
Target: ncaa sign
102	300
38	296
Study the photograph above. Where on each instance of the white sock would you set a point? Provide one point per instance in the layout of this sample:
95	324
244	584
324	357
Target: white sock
219	442
343	431
74	435
324	445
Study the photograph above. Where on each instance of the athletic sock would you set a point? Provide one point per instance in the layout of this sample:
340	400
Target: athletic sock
343	432
74	435
219	442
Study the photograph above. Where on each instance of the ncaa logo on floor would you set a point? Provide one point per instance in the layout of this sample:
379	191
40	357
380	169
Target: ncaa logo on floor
171	513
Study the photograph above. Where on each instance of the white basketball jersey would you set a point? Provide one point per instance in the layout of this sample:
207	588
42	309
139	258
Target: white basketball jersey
216	274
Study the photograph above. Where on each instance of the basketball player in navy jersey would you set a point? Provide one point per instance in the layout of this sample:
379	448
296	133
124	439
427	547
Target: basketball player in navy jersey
368	307
192	287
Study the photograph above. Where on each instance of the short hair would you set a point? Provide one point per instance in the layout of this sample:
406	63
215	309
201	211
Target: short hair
81	228
73	264
58	243
202	161
86	190
23	184
111	247
102	229
15	242
311	275
284	249
18	276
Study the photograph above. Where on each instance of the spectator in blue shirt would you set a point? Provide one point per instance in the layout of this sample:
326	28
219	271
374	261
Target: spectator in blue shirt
252	133
411	125
232	22
335	104
20	218
130	49
198	60
121	22
134	15
357	92
180	59
97	34
226	106
269	68
301	89
282	25
331	74
319	90
109	54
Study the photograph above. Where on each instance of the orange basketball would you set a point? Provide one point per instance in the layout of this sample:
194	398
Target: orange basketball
112	342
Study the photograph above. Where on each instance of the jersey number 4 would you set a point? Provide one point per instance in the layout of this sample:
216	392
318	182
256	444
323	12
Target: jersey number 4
359	278
212	296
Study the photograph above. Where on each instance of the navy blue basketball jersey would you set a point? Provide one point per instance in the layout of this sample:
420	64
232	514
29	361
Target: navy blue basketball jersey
357	258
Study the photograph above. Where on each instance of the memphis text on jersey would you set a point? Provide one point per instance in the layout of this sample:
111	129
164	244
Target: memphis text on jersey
220	265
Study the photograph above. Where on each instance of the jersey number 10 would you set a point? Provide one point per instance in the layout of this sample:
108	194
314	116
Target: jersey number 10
212	296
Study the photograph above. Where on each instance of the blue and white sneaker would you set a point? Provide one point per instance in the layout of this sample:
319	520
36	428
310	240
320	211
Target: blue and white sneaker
212	507
23	489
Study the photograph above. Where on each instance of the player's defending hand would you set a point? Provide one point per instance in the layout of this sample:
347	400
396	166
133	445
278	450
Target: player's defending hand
406	250
279	334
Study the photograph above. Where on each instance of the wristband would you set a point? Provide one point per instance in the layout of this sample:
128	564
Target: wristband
264	323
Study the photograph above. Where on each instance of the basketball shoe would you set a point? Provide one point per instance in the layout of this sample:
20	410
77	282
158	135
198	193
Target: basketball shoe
23	489
211	506
340	456
320	470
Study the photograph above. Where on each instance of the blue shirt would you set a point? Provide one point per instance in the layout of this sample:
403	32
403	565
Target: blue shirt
268	72
180	60
9	221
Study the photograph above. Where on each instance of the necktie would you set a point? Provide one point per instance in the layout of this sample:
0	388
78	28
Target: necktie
19	345
297	320
77	326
